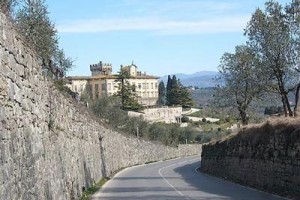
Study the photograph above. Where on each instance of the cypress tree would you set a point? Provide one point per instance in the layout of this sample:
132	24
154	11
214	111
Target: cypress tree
161	93
168	93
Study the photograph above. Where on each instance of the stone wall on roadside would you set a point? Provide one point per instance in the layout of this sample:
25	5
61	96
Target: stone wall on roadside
266	157
164	114
50	146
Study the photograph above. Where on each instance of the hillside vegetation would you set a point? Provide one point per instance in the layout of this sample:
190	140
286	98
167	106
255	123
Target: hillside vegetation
109	111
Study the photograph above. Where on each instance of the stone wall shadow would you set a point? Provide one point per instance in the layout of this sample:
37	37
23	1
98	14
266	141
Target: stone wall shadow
215	186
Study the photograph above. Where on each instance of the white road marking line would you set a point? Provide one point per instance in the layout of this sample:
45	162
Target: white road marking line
172	186
165	167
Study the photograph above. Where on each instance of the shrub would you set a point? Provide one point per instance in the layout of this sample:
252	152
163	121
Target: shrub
184	119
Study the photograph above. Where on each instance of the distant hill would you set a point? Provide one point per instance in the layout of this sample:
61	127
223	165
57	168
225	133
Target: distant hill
200	79
203	96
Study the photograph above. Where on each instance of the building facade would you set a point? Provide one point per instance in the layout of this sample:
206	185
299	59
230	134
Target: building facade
103	83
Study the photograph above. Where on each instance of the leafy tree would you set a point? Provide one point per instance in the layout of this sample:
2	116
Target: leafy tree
177	94
34	24
184	96
126	91
242	80
161	93
108	109
61	61
181	95
293	16
274	35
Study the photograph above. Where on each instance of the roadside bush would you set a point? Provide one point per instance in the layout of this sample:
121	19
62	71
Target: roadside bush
185	119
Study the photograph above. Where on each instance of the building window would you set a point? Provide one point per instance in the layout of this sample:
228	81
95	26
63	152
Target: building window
152	86
144	86
133	88
140	86
96	88
103	86
89	90
75	88
156	85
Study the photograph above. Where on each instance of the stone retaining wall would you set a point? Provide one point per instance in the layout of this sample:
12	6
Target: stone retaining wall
266	157
49	145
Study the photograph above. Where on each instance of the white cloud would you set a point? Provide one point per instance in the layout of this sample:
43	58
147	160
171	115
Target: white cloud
215	25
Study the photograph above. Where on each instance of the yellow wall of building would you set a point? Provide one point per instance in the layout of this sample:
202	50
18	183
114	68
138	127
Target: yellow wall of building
146	88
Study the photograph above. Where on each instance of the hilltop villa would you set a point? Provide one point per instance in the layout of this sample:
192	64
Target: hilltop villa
102	83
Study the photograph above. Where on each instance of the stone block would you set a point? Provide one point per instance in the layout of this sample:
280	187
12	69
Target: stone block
11	90
3	86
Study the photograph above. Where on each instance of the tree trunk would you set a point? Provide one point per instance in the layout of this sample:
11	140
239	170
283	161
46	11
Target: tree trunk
284	96
284	106
243	115
285	102
288	106
296	100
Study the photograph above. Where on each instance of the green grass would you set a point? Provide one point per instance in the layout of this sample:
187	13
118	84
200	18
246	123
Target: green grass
199	113
92	190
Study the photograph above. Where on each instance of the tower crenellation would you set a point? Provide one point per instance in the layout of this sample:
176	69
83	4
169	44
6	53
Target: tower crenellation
101	68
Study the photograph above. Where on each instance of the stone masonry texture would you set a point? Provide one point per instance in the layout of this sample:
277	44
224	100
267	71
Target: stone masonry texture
265	157
49	145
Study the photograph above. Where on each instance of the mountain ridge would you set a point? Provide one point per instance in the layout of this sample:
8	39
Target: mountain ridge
198	79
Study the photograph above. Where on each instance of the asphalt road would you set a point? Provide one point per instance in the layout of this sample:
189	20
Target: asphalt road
174	180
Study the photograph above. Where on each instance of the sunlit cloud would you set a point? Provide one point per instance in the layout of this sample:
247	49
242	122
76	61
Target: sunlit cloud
158	26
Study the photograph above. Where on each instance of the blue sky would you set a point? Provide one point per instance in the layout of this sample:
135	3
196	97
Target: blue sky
160	36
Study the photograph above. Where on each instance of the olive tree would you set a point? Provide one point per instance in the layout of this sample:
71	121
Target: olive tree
242	80
274	36
39	31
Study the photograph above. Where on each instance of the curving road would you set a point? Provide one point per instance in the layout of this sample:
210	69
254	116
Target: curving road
174	180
